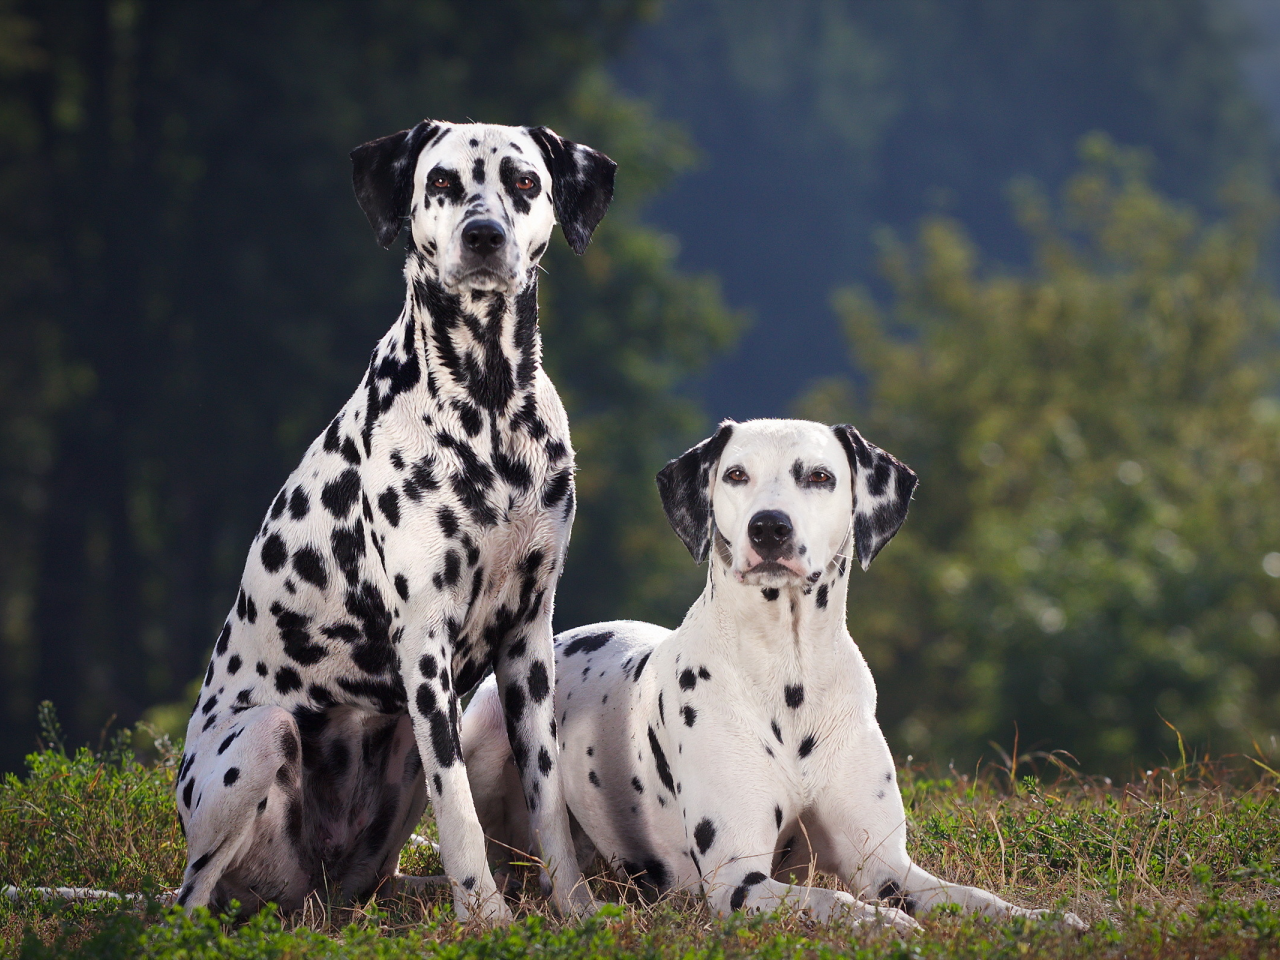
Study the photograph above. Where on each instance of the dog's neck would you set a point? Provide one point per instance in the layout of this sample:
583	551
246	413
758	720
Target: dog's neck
481	348
798	622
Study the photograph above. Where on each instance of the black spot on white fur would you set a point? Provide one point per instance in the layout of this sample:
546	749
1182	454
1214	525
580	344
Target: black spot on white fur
891	894
704	835
740	892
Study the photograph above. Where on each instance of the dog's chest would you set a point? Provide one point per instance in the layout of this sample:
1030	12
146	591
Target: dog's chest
498	454
793	715
485	506
412	513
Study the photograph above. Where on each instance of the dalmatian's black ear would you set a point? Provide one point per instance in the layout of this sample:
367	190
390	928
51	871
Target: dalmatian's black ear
684	485
382	174
581	185
882	487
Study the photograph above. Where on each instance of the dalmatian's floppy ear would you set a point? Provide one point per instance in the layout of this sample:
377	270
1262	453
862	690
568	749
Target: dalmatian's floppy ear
684	485
882	487
382	174
581	185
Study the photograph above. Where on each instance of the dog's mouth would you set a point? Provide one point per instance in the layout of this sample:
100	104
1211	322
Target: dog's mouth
765	571
483	278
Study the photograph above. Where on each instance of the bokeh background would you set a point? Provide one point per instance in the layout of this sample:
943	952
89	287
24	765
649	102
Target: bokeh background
1026	245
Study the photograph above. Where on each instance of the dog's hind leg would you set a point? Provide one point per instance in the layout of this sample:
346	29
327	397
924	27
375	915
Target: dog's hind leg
394	790
239	798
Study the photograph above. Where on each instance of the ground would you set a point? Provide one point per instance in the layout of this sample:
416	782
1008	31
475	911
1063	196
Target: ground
1183	863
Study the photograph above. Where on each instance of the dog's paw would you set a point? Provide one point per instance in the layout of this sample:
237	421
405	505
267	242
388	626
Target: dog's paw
1069	921
1066	922
881	917
901	922
581	909
581	903
572	901
489	911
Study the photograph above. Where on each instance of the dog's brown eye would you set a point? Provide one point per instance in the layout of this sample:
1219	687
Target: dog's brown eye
736	475
820	476
440	183
524	183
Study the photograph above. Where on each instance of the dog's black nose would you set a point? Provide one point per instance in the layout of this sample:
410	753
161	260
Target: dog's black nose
770	532
483	236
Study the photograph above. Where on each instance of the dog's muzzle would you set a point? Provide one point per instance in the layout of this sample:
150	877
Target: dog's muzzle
487	260
770	550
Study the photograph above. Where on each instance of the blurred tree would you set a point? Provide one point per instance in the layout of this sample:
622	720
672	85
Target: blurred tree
188	291
1095	543
625	330
36	378
820	119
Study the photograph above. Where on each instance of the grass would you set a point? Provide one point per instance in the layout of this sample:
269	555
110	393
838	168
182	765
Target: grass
1183	863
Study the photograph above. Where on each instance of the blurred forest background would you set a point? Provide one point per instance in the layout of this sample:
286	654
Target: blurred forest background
1026	246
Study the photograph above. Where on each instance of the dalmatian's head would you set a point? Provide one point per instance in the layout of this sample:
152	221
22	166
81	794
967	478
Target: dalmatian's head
782	501
480	200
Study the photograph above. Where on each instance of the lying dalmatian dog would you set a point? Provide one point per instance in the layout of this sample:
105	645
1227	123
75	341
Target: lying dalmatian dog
415	548
742	748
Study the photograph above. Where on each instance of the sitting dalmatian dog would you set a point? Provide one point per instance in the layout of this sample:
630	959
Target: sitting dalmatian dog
415	549
740	749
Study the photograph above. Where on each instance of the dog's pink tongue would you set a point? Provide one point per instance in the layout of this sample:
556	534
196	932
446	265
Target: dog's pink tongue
795	566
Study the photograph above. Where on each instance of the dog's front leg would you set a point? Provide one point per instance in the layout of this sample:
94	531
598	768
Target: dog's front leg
433	705
867	826
925	891
526	684
740	886
734	834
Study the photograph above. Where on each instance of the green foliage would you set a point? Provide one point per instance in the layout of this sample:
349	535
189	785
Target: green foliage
1091	556
188	292
37	379
623	330
88	821
1174	830
1182	863
627	334
820	119
1221	930
863	84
